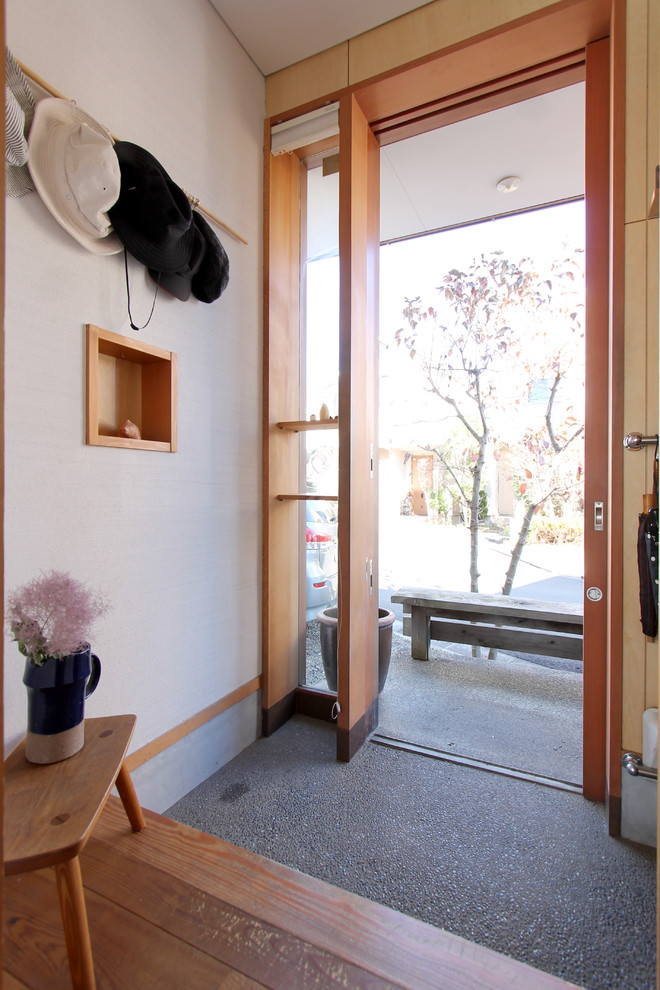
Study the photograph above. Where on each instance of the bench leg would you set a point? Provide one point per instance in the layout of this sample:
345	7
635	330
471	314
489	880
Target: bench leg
420	628
74	920
129	799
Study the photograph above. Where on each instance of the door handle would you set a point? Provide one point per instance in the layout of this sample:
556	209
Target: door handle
599	514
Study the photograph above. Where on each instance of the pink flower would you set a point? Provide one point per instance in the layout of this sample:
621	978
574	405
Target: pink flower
52	616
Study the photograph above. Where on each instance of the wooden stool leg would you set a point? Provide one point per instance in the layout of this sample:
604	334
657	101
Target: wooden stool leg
129	799
74	919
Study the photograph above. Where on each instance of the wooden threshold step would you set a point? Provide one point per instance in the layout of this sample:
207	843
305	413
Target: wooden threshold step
372	937
172	907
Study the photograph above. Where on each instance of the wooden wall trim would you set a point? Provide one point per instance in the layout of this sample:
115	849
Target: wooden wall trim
281	520
452	24
2	435
359	218
482	98
317	76
539	39
159	745
403	81
617	293
597	405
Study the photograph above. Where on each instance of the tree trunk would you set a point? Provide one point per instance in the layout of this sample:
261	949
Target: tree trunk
518	549
474	519
515	560
474	523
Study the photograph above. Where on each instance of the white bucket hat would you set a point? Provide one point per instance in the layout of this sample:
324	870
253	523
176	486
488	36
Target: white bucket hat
75	169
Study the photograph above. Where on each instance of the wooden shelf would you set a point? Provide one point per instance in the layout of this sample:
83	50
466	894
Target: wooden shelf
300	425
307	498
127	379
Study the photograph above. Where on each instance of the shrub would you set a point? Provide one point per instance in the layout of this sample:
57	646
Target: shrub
544	530
483	505
438	501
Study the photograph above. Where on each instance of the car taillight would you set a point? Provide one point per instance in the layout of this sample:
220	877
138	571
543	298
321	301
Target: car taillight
312	537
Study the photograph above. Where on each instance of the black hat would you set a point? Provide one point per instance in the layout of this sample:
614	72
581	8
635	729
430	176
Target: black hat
212	276
179	283
152	217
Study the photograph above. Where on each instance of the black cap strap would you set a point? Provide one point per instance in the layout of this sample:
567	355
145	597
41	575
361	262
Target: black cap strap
128	296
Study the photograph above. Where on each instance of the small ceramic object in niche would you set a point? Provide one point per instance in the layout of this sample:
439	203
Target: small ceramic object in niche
130	430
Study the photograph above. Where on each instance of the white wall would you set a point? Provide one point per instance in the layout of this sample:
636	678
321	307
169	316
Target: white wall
172	539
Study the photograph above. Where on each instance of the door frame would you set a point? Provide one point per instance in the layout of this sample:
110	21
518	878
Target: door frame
594	68
530	55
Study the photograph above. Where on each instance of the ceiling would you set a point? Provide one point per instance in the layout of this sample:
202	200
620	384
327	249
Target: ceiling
447	176
280	32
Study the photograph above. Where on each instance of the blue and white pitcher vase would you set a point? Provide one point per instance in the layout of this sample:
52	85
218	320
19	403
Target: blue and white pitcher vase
56	693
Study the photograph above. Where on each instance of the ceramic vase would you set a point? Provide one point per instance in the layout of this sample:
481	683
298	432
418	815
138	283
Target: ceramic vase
328	622
56	693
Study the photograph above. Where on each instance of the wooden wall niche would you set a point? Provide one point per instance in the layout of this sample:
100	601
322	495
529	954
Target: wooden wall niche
127	379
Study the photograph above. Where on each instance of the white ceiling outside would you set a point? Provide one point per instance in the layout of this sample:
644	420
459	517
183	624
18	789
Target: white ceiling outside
444	177
282	32
449	176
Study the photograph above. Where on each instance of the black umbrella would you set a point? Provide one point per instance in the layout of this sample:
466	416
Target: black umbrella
647	558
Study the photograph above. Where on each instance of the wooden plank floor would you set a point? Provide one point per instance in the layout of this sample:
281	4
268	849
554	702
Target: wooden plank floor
171	907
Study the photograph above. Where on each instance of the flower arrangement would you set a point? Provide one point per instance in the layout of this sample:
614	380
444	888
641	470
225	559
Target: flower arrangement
52	615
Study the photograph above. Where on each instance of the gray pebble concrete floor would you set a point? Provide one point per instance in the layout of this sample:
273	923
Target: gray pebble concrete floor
524	869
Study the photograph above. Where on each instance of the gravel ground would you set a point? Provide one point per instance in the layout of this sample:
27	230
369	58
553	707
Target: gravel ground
315	675
523	869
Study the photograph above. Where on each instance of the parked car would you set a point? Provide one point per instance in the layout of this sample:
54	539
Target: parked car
321	557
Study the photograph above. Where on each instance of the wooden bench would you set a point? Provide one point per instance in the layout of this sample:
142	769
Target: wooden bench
551	629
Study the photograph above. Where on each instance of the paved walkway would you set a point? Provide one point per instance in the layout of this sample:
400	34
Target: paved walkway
519	711
414	552
509	712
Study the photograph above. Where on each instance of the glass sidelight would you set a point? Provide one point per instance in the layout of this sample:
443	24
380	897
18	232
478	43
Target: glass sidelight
319	376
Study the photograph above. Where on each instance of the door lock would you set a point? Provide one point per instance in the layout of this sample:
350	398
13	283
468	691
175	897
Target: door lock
599	514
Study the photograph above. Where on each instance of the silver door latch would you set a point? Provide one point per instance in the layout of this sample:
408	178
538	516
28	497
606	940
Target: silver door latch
599	514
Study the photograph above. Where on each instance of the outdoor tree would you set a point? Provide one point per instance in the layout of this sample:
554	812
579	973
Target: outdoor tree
497	329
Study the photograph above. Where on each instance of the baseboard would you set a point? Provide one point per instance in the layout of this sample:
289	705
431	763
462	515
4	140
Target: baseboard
177	770
273	718
350	740
613	807
179	732
316	704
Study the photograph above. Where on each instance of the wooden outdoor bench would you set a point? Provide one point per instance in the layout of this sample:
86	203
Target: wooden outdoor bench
551	629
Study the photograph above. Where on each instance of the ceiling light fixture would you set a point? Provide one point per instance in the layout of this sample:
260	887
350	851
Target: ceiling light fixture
509	184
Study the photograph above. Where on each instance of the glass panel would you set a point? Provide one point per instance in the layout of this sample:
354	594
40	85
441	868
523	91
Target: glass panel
319	402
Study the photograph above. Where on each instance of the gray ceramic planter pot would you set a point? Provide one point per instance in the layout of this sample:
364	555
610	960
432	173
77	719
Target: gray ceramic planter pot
328	626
